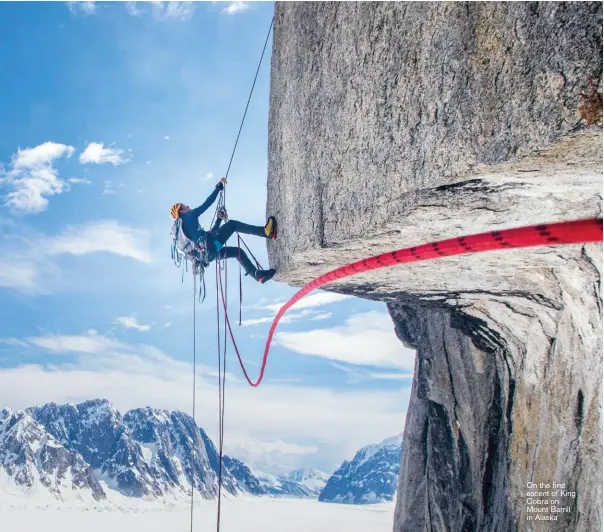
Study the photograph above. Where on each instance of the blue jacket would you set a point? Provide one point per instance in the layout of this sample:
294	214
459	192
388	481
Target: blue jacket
190	221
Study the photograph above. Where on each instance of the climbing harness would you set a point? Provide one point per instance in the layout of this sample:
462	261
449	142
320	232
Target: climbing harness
194	252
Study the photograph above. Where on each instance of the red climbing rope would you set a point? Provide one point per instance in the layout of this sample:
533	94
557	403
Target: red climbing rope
578	232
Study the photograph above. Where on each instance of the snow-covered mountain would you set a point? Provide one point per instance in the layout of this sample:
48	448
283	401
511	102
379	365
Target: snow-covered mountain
298	483
35	461
90	449
246	480
312	479
97	431
145	453
281	486
370	477
178	451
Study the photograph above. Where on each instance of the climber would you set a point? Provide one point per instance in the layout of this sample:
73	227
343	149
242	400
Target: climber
205	246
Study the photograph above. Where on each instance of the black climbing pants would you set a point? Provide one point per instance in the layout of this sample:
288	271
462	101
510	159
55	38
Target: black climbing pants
229	252
232	226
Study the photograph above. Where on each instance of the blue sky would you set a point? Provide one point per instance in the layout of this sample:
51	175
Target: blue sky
109	114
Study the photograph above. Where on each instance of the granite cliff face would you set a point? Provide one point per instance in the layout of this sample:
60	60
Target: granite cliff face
396	124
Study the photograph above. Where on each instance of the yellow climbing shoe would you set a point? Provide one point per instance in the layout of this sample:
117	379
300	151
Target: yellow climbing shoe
270	229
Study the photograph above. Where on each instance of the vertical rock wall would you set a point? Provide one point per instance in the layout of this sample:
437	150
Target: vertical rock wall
395	124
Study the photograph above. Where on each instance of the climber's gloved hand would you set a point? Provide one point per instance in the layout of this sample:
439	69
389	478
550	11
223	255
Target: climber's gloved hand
221	183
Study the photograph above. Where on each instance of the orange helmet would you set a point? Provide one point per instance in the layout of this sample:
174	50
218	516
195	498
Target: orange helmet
175	210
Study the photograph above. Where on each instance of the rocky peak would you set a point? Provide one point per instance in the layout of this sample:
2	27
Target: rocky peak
246	480
31	456
175	446
303	474
370	477
312	479
91	427
4	413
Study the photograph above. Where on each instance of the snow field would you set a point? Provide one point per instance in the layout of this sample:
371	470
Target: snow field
252	514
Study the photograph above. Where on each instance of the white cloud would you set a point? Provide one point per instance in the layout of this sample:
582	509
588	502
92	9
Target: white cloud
24	265
132	9
13	342
96	153
130	323
173	10
168	324
283	447
86	8
311	301
289	317
258	321
77	180
321	316
304	305
392	376
40	155
27	262
358	374
208	176
33	177
273	456
19	274
88	343
108	189
366	339
236	7
107	236
166	137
